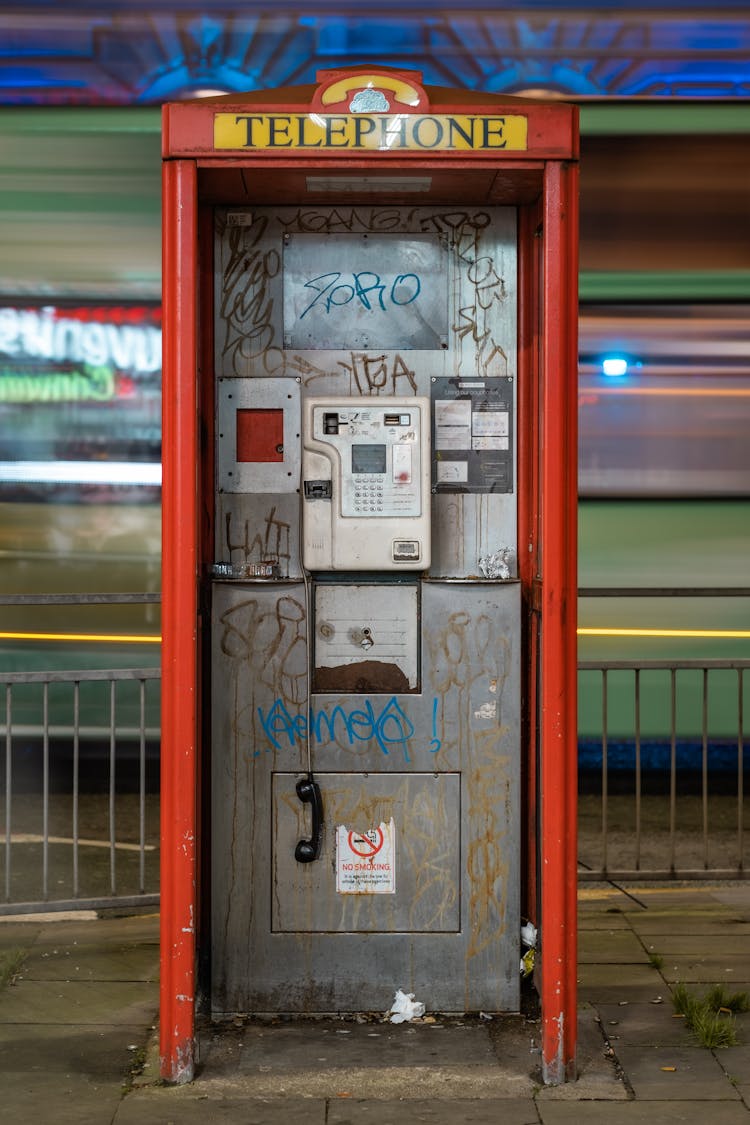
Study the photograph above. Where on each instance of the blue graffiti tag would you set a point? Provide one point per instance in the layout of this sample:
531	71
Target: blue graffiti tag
389	726
436	743
366	287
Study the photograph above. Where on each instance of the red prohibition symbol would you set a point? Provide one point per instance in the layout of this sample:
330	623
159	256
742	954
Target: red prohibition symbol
366	845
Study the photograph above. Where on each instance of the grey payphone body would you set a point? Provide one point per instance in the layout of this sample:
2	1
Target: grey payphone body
365	610
366	481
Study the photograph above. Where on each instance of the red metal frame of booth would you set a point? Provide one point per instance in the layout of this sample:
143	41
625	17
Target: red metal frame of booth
542	181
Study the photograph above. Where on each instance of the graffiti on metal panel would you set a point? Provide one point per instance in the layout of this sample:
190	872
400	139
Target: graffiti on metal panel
470	655
385	724
272	640
250	303
246	544
365	288
376	374
340	219
474	322
246	306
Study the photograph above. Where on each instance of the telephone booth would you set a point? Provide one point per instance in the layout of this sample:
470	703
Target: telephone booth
369	581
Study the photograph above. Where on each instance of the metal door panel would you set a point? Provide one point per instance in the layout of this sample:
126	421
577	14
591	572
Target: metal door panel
426	812
465	724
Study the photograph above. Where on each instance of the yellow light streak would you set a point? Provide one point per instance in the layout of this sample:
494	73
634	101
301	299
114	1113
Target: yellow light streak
583	631
111	638
730	633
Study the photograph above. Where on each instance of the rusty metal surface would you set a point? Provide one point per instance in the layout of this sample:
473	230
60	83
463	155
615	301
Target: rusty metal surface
366	638
426	809
462	731
415	710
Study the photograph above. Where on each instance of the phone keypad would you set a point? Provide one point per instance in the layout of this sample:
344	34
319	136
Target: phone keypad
368	498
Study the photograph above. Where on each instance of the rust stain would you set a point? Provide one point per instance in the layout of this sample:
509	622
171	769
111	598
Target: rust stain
366	677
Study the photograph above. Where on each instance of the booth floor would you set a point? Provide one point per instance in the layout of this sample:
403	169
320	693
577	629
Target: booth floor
78	1031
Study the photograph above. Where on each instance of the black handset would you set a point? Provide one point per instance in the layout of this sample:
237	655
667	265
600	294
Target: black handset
308	792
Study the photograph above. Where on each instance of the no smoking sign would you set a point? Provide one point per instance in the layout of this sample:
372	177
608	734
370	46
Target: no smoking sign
365	861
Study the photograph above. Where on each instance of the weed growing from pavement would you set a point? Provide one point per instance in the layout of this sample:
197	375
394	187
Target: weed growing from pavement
711	1018
684	1002
719	998
10	963
714	1029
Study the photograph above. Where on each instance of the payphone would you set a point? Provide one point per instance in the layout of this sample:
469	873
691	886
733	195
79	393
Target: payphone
366	481
369	553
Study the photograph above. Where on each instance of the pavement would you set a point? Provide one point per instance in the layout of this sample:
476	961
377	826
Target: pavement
78	1032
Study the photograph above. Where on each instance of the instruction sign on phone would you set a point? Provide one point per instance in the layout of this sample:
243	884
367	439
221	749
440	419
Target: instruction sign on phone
366	861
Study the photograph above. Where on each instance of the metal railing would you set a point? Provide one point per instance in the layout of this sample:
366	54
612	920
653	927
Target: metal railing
667	804
661	806
66	847
80	814
662	788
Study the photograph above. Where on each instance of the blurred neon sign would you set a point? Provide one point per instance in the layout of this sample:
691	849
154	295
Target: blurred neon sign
90	384
122	339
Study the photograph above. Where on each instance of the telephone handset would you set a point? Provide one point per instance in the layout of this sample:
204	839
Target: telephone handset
308	792
366	482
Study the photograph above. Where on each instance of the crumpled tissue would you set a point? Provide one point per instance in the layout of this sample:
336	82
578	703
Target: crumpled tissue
499	564
528	935
405	1007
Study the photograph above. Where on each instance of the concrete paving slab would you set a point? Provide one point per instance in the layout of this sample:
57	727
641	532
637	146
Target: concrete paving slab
218	1051
89	962
691	1071
638	1113
181	1106
676	911
602	984
743	1089
737	897
643	1024
601	896
328	1058
15	934
735	1061
100	1055
702	909
81	1002
77	1031
695	945
698	896
347	1045
139	928
520	1111
603	947
334	1058
589	895
387	1083
588	920
58	1099
716	928
714	967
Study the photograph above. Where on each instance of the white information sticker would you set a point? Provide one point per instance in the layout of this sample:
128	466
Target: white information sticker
490	423
366	861
453	423
489	443
448	471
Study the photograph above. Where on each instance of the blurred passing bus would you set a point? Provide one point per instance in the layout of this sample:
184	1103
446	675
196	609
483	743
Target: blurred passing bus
80	479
